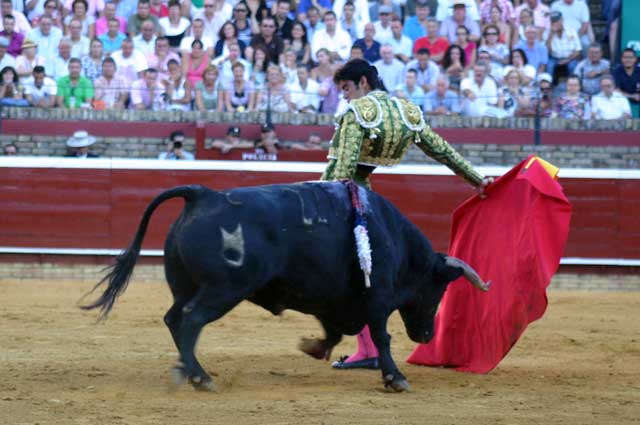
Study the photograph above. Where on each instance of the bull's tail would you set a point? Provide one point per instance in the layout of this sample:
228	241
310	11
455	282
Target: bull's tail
120	272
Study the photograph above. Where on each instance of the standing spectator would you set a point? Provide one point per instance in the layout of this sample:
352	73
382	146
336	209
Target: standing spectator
283	22
576	16
113	38
504	29
209	94
426	70
174	26
20	22
197	33
108	13
130	63
389	68
518	62
370	47
79	144
134	24
39	90
47	37
454	65
28	59
111	90
564	46
416	26
627	78
536	51
609	104
470	47
541	15
10	149
323	73
60	66
175	148
349	23
275	95
591	69
383	25
242	21
441	100
401	44
505	8
480	91
74	90
299	43
145	42
193	66
178	89
305	91
79	42
451	24
239	94
225	64
572	105
87	22
212	21
92	63
269	40
436	44
410	90
160	57
11	92
15	38
334	39
313	23
228	35
5	59
146	92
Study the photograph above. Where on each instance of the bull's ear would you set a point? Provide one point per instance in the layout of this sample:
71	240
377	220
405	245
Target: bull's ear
445	273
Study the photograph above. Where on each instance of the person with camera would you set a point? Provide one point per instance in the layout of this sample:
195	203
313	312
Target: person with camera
175	148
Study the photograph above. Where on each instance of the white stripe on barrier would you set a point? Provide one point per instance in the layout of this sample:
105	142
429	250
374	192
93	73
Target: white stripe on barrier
568	261
281	167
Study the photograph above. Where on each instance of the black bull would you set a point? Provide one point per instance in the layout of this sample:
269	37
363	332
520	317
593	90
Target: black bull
292	247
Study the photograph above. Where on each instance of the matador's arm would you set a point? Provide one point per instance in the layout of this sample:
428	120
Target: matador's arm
345	148
438	148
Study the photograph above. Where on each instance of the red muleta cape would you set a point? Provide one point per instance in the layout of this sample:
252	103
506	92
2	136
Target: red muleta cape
515	238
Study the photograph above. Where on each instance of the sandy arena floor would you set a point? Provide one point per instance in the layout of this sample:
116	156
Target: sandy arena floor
580	364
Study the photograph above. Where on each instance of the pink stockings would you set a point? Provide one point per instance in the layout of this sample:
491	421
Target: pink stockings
366	348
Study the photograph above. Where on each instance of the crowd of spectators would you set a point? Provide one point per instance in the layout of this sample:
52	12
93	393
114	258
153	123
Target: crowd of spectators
497	58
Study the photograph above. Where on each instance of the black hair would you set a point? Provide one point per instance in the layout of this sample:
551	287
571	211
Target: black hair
446	60
522	53
38	69
175	134
355	69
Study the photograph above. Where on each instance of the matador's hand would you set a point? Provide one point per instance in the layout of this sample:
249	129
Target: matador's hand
481	188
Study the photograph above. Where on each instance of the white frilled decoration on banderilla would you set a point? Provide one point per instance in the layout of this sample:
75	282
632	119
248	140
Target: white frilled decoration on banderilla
358	197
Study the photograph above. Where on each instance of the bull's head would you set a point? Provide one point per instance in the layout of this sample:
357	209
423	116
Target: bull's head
419	313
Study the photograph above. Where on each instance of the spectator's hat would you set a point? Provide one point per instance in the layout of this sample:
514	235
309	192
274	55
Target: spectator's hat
28	43
422	3
385	9
483	49
545	77
266	127
458	3
233	131
81	139
556	16
4	42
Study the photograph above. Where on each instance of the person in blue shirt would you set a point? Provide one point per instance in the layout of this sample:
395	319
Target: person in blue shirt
416	26
370	47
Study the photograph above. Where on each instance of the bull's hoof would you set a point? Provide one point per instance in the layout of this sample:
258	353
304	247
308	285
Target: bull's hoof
315	348
202	383
396	383
178	375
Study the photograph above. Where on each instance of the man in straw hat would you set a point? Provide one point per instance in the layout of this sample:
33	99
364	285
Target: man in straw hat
28	60
79	143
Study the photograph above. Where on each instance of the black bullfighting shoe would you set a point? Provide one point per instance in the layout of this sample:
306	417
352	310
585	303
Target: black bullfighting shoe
370	363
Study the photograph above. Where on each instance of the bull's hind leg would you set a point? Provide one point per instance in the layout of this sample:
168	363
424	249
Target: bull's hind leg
321	348
210	304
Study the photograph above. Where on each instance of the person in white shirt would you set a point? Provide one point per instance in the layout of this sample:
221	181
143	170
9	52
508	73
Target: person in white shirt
197	33
426	70
145	42
361	12
40	90
336	40
563	44
304	92
79	42
383	25
130	62
21	23
47	37
212	20
445	10
402	45
577	17
390	69
480	91
349	22
60	66
609	104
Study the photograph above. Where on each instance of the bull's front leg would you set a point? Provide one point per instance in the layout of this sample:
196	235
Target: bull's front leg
391	376
321	348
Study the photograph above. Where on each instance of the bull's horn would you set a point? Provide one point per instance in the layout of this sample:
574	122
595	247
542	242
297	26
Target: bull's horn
469	273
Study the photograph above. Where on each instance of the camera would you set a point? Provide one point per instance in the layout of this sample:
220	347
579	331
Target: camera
177	145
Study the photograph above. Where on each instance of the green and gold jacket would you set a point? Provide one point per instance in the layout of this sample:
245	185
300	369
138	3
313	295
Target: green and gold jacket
377	130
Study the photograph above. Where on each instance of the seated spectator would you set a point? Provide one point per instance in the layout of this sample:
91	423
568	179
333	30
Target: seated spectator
26	61
573	104
92	63
146	92
39	90
268	40
15	38
158	9
504	29
94	7
299	43
451	24
356	53
389	68
175	148
178	89
410	90
197	33
505	12
627	78
445	9
454	65
436	44
519	32
79	42
401	44
143	13
209	91
289	67
21	24
225	64
535	51
242	21
576	16
108	13
283	22
335	40
348	22
564	47
113	38
74	90
86	22
60	66
239	94
518	62
370	47
539	14
46	37
130	62
313	143
275	95
194	64
232	141
78	145
543	99
5	58
498	52
362	12
11	92
161	56
383	25
111	90
174	26
609	104
416	26
329	91
259	64
49	10
495	72
10	149
470	47
441	100
479	91
426	70
305	5
228	35
591	69
512	98
145	42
